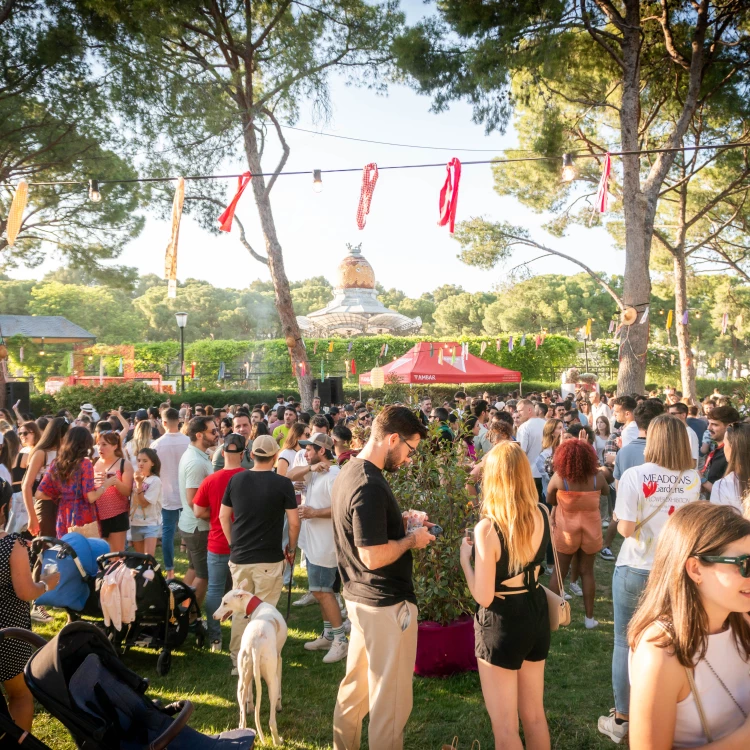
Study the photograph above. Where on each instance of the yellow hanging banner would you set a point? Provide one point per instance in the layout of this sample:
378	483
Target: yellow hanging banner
669	320
15	215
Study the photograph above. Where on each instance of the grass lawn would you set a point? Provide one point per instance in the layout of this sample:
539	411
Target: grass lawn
578	687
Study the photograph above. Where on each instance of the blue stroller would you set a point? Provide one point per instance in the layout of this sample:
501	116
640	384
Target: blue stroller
79	678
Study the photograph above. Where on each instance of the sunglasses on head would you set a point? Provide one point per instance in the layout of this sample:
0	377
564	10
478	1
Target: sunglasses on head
741	561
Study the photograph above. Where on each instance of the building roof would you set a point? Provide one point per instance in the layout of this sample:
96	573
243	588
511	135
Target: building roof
54	329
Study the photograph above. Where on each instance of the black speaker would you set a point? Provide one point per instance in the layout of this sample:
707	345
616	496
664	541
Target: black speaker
17	390
337	390
323	391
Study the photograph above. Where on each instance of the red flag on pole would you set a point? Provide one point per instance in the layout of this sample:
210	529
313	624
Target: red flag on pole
225	220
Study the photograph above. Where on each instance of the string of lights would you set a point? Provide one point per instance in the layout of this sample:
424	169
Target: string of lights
568	167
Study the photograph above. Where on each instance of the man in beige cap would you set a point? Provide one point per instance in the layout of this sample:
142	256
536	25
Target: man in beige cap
316	539
258	500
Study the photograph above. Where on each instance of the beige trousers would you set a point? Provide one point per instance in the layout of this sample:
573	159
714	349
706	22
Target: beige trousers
265	580
379	675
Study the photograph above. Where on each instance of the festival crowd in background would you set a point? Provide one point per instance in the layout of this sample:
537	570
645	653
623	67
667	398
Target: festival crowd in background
555	480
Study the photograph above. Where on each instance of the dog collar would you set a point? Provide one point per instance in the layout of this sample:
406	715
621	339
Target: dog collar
252	605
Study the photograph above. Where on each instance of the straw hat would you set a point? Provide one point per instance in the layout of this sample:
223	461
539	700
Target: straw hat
629	316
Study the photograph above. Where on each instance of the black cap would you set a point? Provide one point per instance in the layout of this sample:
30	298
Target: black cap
141	415
236	441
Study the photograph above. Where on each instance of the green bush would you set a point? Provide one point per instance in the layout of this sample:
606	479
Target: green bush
130	395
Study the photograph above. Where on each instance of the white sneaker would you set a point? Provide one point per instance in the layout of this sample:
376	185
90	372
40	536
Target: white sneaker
40	614
590	623
235	672
338	651
304	601
215	647
566	596
616	732
576	589
321	643
606	554
605	524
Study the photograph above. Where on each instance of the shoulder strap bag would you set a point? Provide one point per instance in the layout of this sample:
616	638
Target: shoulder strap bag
659	506
559	609
698	705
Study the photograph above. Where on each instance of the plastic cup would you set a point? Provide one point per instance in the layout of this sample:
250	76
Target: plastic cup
49	569
415	519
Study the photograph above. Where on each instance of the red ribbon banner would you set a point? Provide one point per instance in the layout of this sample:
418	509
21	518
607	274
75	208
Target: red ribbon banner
225	220
449	195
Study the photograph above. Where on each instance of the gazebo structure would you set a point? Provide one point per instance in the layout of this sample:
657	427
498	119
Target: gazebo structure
355	309
52	329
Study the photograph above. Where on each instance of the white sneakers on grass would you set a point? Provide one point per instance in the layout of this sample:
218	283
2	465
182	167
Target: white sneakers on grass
576	589
305	601
338	651
609	727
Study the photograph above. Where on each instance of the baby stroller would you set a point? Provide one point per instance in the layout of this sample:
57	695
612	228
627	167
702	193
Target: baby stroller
163	608
80	680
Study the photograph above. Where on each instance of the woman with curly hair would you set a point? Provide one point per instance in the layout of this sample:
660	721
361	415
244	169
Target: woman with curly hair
69	482
574	492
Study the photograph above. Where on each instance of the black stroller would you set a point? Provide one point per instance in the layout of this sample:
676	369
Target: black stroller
163	608
80	680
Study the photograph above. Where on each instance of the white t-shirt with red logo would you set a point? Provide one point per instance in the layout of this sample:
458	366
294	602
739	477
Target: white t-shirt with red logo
641	490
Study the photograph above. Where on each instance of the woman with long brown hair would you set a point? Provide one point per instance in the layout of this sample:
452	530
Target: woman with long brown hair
69	482
511	627
42	513
113	482
690	637
9	450
647	495
732	488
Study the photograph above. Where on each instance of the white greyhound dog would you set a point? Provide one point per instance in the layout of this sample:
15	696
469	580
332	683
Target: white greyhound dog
260	653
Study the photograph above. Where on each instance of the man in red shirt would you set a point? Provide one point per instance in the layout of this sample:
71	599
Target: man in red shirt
206	504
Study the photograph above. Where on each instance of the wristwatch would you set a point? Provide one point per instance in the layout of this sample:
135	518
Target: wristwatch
46	587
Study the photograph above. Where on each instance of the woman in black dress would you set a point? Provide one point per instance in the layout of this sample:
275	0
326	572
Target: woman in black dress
511	627
17	589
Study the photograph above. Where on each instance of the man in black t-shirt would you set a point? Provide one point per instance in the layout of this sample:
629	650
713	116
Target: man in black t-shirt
716	464
252	516
375	563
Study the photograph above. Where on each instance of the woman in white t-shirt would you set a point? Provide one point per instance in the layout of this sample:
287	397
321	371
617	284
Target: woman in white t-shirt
734	485
692	626
647	495
298	431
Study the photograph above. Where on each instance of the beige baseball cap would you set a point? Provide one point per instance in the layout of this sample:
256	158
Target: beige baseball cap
320	439
265	446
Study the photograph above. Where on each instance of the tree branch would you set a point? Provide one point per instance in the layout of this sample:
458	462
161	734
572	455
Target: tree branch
284	145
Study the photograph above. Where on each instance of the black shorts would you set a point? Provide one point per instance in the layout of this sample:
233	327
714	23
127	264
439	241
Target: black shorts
120	522
197	549
513	630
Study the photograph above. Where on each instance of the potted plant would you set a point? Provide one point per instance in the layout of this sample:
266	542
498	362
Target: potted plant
435	483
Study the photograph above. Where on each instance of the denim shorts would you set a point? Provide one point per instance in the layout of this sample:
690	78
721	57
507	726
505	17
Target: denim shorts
139	533
319	578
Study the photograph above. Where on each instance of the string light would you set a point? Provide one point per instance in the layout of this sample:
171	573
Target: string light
317	181
94	195
569	170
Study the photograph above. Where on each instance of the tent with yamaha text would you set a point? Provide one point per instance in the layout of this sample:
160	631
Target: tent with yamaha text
421	364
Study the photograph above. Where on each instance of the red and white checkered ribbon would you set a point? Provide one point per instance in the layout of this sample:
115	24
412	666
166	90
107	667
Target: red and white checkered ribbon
369	178
449	195
601	193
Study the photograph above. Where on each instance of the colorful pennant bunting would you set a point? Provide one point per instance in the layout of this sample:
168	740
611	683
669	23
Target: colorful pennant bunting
685	318
482	348
602	191
669	320
724	323
644	317
369	179
170	260
510	344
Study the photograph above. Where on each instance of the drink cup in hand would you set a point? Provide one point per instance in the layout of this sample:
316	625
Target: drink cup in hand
422	537
469	534
51	580
49	569
414	520
610	457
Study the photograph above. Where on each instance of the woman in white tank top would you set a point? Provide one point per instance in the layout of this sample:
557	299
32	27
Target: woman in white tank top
692	626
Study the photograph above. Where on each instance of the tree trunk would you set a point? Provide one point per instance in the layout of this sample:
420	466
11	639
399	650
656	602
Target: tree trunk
283	296
631	377
687	360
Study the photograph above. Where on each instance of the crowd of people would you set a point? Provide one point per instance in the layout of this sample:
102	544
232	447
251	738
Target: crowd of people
555	478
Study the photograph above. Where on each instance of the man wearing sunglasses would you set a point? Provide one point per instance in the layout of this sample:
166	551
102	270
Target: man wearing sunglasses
195	466
716	463
375	562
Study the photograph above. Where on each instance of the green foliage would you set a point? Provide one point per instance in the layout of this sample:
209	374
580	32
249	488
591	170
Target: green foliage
462	314
130	395
435	483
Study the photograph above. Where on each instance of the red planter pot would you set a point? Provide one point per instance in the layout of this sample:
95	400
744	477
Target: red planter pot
443	650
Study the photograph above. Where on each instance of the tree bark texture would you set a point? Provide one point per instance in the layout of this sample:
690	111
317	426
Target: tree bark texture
282	293
687	360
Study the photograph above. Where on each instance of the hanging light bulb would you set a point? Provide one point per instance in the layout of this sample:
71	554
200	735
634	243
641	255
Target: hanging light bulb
317	181
569	170
94	195
697	315
661	312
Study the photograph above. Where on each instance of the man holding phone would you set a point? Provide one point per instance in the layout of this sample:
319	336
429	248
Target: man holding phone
375	562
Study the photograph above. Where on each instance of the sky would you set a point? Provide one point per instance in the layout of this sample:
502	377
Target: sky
402	240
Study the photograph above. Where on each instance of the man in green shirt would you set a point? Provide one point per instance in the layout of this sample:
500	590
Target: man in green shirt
280	432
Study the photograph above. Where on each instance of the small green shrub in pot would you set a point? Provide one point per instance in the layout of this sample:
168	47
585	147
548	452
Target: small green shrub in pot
435	483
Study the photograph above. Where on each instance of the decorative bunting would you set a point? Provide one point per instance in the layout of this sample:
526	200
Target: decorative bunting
588	328
544	336
453	356
611	326
482	348
119	367
192	369
510	344
713	361
602	191
322	371
449	195
170	260
349	348
466	351
15	214
354	367
222	370
303	369
669	320
369	179
225	220
497	344
523	340
315	347
671	359
724	323
537	341
382	351
440	355
432	350
685	318
386	349
347	364
20	354
644	317
330	346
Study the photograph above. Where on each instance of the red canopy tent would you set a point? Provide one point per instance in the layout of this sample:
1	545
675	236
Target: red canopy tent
421	364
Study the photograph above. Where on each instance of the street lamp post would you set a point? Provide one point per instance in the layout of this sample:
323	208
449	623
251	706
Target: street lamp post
181	323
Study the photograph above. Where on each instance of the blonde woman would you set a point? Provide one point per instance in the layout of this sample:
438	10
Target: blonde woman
551	437
142	438
647	495
511	627
693	623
